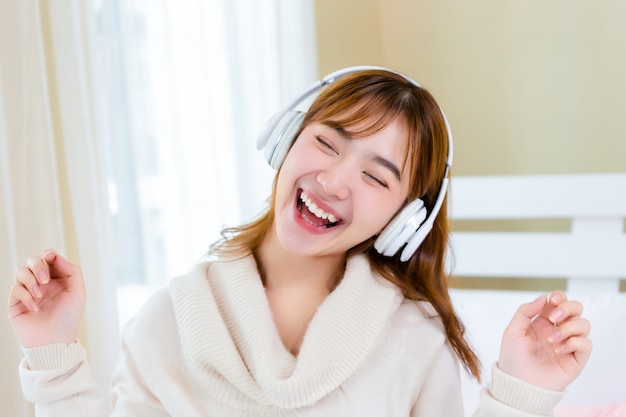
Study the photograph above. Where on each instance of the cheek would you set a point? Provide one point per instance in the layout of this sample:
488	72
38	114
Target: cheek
284	191
297	159
287	181
377	211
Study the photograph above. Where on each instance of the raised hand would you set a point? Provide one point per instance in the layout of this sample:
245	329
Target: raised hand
47	300
546	342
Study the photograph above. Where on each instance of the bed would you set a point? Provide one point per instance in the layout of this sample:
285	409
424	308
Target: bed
537	233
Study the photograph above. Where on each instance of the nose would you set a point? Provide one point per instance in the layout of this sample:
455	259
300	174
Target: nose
335	181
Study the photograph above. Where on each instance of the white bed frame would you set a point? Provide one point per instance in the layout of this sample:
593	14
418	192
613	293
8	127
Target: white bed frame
591	256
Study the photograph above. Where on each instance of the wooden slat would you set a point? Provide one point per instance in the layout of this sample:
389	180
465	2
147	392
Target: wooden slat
541	255
538	196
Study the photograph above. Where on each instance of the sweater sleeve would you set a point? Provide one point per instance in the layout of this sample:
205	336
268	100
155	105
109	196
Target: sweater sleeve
507	396
440	393
146	381
131	394
57	378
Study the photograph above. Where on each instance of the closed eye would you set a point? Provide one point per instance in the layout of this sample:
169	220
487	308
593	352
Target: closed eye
326	145
375	179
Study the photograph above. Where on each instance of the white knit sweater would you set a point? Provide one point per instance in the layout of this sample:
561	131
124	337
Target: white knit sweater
207	346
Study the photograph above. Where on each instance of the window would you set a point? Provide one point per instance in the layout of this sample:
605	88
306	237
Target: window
186	85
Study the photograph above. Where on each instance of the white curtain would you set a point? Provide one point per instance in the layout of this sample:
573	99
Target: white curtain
131	125
188	85
51	182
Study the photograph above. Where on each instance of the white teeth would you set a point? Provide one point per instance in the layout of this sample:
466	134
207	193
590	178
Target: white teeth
317	211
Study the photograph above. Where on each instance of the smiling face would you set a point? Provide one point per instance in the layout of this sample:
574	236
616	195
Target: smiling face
335	190
370	142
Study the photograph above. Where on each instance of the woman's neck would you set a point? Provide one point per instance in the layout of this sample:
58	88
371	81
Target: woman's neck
280	268
295	287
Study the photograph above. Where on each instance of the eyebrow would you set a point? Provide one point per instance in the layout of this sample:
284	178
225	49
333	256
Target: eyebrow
389	165
377	158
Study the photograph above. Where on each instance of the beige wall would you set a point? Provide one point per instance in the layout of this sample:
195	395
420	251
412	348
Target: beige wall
529	86
348	33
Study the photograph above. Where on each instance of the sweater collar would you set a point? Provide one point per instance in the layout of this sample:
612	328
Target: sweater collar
231	345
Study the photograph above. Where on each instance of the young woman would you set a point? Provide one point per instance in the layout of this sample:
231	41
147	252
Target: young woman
333	303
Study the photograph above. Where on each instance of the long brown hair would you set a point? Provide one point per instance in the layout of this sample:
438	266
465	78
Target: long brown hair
374	99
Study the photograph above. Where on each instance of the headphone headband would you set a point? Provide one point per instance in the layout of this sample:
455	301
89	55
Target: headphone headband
408	228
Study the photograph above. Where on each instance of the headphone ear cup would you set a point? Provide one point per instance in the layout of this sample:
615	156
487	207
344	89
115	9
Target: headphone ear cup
264	136
415	241
401	228
282	136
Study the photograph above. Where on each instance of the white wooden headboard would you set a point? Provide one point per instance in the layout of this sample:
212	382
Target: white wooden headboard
590	255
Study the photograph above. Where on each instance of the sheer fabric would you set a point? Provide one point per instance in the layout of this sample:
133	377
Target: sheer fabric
128	128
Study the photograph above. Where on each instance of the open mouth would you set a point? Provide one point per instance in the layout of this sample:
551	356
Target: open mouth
314	214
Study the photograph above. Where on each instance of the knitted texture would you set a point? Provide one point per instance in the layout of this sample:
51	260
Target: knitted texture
231	343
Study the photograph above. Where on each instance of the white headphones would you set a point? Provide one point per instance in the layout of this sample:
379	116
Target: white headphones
412	224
